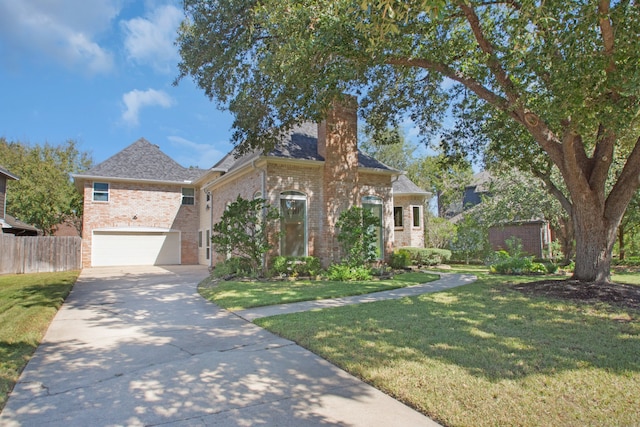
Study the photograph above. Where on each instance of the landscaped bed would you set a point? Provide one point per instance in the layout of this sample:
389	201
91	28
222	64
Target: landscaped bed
238	295
486	354
28	303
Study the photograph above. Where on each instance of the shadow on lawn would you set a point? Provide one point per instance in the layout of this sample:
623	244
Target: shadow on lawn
491	331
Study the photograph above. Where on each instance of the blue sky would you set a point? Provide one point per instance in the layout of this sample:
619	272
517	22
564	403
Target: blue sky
101	72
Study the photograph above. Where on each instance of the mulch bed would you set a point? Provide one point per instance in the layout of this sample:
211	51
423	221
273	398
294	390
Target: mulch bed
618	294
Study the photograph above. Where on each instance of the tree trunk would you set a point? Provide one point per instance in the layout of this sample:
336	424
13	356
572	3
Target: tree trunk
595	237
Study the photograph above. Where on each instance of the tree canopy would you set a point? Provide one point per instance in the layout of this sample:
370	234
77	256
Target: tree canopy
44	196
555	80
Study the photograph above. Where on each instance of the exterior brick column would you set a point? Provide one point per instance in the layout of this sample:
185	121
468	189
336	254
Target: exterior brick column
337	143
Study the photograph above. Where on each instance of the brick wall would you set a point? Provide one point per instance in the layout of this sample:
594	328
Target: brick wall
408	235
152	205
337	143
245	186
531	235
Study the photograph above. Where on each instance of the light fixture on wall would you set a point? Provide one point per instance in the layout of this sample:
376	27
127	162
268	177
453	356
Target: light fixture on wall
135	217
208	207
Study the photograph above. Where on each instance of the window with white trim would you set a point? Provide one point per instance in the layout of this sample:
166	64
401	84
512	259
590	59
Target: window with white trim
293	223
374	205
416	215
100	191
397	216
188	196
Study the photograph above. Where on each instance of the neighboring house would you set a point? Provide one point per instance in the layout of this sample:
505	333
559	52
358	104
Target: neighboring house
140	207
8	223
5	176
535	234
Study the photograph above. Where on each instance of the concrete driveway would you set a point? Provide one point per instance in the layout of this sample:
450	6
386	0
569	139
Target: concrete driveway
138	346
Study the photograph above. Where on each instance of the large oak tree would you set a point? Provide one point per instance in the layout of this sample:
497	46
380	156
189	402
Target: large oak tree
564	76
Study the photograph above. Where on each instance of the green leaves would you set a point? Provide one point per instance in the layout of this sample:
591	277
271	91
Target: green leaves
243	231
44	196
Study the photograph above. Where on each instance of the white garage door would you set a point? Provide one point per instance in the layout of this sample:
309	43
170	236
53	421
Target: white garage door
126	247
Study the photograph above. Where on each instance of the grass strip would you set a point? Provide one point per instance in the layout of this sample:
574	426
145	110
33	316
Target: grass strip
28	303
485	355
237	295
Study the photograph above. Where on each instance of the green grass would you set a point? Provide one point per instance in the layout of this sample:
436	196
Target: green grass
234	295
486	355
629	277
28	303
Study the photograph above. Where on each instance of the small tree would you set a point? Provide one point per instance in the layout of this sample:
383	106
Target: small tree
358	236
471	240
241	232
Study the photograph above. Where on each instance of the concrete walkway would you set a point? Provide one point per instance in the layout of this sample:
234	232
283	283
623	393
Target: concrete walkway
446	281
139	347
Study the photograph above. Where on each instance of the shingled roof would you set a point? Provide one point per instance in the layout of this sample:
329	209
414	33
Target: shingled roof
403	185
8	174
300	144
143	161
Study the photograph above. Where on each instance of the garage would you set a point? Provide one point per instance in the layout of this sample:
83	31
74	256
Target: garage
142	246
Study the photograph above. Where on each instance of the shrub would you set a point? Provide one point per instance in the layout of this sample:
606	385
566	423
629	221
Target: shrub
358	235
400	259
243	232
517	265
233	267
345	273
296	266
552	267
427	256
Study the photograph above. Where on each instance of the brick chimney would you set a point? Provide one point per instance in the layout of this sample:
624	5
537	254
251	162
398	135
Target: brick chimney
338	145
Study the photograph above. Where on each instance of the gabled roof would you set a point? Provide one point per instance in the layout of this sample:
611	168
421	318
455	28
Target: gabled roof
8	174
300	144
142	161
404	186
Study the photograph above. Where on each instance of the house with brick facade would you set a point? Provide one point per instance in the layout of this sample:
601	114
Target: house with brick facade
141	207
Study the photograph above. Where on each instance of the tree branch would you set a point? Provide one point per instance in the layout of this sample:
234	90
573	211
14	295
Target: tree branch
486	46
602	157
554	191
606	30
484	93
626	186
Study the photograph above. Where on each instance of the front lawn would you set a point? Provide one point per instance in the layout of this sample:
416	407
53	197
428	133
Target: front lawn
28	303
238	295
486	355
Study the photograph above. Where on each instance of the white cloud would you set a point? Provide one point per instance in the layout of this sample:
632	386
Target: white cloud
64	30
201	155
136	99
150	40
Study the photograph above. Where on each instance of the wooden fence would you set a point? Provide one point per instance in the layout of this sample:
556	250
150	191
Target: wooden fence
39	254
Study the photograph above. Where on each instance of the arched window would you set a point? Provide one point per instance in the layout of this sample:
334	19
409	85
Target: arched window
293	223
374	205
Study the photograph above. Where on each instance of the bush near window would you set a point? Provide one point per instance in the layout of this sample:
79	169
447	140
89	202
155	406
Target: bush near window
427	256
347	273
400	259
296	266
358	236
233	267
243	231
